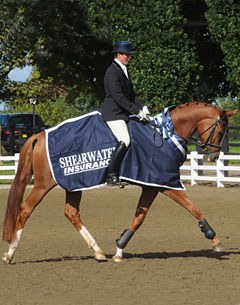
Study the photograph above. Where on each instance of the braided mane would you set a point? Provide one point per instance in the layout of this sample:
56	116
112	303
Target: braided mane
197	103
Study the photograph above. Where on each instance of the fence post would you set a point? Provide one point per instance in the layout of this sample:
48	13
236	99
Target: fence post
200	162
16	162
220	170
194	164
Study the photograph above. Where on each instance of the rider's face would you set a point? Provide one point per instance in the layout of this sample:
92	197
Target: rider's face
124	58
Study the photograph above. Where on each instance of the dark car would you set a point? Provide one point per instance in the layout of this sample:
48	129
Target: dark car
16	128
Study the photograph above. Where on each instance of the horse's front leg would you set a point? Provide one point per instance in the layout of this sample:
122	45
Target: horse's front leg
144	204
181	198
72	213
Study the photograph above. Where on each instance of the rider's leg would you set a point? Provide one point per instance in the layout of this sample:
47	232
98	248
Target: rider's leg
120	130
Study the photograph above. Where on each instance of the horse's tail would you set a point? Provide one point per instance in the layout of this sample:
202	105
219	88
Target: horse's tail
23	176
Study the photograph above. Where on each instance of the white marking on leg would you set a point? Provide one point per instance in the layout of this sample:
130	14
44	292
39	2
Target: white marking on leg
119	252
13	245
89	239
99	255
118	257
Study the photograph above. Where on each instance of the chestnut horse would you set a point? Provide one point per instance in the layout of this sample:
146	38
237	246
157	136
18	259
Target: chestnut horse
208	121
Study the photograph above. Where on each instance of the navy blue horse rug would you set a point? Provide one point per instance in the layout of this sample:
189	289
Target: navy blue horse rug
79	152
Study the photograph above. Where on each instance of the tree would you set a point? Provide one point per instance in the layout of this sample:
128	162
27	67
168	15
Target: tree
8	30
165	68
212	81
224	22
54	36
70	43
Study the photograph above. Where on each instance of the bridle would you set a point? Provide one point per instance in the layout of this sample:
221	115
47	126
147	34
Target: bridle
208	143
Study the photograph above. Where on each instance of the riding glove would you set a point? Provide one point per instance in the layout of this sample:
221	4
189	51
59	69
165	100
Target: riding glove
143	114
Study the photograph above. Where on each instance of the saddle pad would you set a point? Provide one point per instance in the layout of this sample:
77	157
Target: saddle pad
79	151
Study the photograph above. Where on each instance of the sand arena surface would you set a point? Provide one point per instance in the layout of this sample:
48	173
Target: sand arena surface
167	262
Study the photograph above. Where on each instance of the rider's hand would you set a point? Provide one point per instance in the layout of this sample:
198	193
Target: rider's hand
142	116
145	110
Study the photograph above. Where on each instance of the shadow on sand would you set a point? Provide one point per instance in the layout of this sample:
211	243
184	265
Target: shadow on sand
149	256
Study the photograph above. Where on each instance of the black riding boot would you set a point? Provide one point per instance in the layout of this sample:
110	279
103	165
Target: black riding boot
113	170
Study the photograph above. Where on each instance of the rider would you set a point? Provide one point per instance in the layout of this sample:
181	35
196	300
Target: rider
120	102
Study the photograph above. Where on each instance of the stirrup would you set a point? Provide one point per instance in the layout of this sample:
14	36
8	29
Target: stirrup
113	180
122	184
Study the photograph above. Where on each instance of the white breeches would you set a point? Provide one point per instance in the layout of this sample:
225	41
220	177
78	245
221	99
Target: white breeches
120	130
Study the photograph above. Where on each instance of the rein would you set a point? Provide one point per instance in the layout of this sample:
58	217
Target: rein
166	131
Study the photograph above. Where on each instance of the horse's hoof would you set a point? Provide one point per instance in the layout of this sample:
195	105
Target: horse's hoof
117	259
218	248
100	257
6	258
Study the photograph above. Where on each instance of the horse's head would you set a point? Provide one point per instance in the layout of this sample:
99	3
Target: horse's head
211	130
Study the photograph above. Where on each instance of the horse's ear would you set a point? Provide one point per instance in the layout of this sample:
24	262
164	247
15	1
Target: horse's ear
232	112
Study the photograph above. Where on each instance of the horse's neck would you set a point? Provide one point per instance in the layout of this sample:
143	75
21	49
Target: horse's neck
186	120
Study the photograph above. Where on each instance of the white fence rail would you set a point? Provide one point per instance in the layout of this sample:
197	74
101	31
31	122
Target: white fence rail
4	166
193	169
221	172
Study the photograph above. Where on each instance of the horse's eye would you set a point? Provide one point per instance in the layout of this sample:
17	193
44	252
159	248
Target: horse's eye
220	134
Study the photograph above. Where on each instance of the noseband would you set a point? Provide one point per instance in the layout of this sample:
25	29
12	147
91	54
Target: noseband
208	143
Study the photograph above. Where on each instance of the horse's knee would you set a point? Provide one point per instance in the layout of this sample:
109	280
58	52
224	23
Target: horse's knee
139	217
24	213
71	213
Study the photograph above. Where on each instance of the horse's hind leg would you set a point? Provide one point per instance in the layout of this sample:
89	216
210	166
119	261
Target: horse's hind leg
181	198
26	209
72	213
144	204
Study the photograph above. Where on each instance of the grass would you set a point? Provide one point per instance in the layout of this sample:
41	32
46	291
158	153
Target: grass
6	172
